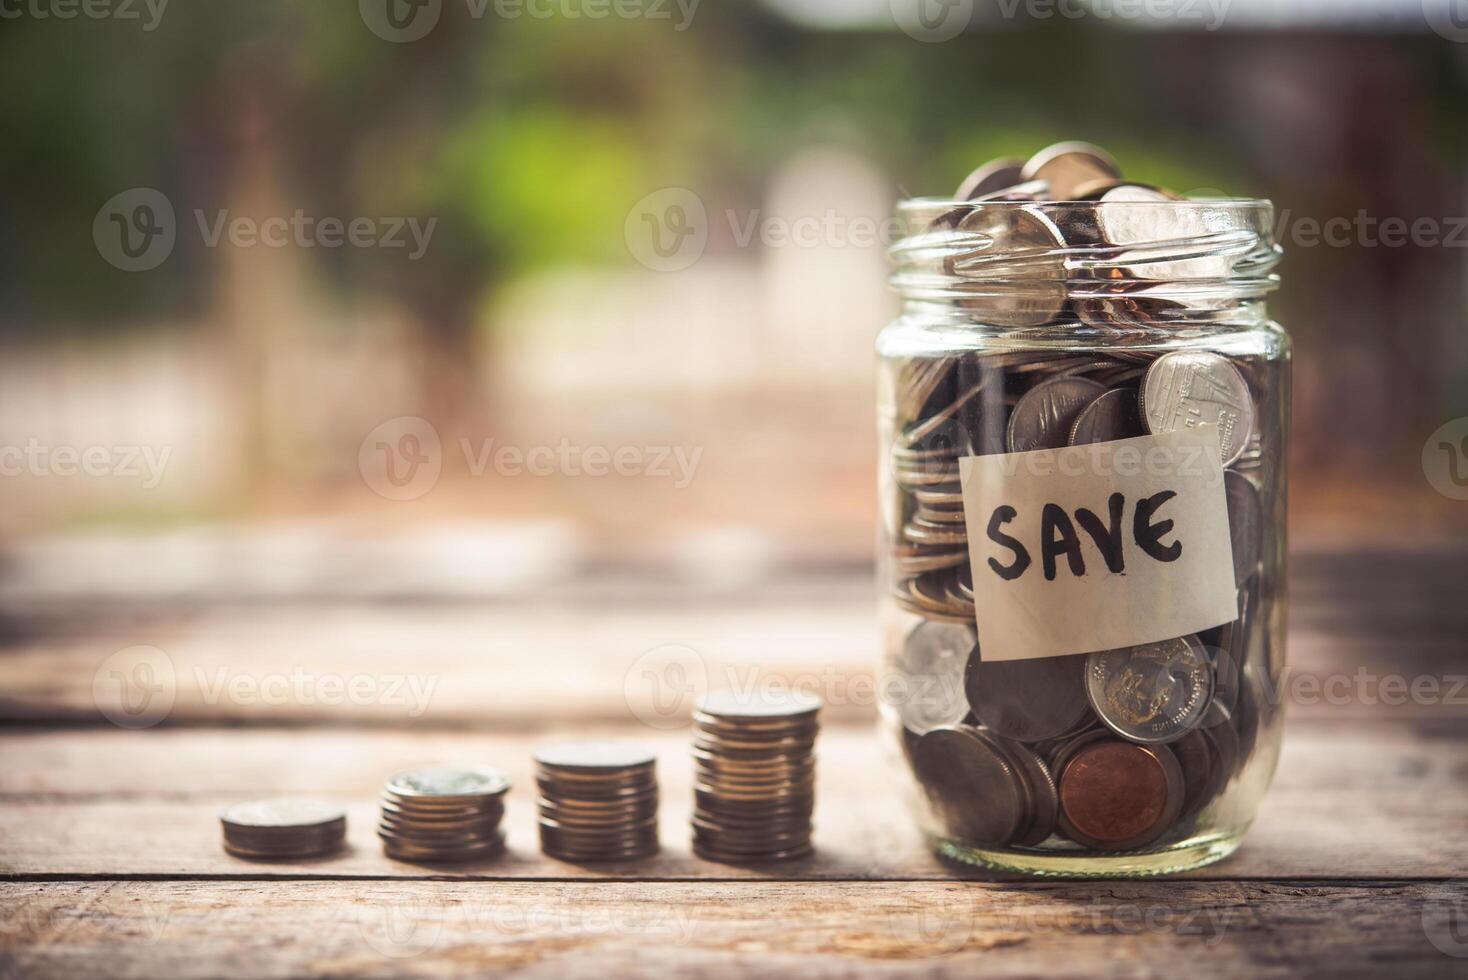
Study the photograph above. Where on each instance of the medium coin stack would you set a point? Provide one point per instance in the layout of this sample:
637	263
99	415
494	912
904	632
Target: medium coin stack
754	783
443	814
1118	749
283	828
598	801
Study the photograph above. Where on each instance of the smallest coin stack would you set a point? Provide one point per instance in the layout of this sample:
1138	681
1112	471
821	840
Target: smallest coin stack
754	786
443	814
283	828
598	801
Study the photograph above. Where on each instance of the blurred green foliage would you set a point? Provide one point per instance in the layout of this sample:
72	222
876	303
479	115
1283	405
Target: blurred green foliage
528	139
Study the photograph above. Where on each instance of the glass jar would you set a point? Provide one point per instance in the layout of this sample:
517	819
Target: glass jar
1083	414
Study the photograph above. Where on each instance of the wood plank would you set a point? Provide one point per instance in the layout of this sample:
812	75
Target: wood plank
567	930
509	667
1349	801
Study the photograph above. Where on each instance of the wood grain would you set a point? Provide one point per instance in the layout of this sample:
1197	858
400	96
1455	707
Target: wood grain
565	930
1377	800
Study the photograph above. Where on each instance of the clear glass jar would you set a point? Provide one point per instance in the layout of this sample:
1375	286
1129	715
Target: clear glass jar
1028	328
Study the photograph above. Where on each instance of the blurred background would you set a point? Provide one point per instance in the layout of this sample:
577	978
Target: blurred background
374	299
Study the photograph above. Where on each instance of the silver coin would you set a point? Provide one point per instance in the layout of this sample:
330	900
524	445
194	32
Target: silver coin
1109	417
1040	789
1151	693
1069	166
447	783
970	784
930	666
595	754
1245	524
1199	391
1028	700
1015	268
1044	416
282	813
996	175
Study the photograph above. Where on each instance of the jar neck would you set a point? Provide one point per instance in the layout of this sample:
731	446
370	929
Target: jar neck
1106	267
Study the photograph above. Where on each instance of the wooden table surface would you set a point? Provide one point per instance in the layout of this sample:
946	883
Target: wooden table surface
110	863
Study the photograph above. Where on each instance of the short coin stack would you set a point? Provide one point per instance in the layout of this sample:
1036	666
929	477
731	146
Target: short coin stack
598	800
443	814
754	785
283	828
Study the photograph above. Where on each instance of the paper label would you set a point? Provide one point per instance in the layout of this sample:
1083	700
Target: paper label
1098	547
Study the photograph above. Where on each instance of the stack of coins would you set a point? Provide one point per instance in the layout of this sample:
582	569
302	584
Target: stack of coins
443	814
1120	749
283	828
598	801
754	784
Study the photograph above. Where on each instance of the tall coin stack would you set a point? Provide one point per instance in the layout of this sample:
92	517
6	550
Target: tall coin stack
598	801
443	814
754	783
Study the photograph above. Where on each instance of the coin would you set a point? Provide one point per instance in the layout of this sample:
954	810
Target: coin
1020	247
1195	759
996	175
1039	785
970	784
443	814
929	671
447	784
1028	700
1245	523
1119	796
1044	416
1154	692
1199	391
596	756
285	827
1068	166
1111	416
754	775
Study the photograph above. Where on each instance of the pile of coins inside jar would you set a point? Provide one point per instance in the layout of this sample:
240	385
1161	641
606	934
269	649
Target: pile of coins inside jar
1116	750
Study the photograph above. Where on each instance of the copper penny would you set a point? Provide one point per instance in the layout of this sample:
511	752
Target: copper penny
1118	796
